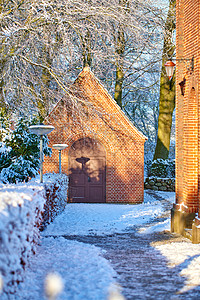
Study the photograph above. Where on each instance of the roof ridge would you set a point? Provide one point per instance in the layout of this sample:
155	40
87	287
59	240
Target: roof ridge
88	70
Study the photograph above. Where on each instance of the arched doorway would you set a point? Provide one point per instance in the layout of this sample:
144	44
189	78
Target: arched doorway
87	172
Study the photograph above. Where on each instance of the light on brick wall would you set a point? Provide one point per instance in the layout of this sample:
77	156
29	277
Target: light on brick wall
170	66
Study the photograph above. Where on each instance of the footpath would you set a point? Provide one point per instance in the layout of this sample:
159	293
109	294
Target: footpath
142	271
93	246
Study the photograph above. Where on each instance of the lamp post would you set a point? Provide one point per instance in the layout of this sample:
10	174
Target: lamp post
60	147
41	130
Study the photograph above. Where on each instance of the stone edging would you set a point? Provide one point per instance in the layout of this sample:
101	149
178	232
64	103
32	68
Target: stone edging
160	184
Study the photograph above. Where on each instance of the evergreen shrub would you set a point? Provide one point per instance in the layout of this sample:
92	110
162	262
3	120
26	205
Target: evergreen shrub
163	168
20	152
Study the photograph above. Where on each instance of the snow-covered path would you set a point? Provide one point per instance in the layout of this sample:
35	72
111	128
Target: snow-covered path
94	246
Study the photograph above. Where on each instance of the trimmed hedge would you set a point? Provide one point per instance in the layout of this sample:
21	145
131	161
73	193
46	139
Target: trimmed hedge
24	209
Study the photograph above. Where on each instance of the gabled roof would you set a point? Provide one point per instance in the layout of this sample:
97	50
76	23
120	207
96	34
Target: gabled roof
91	85
87	86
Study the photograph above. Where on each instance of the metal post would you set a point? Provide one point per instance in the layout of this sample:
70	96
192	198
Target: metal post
59	161
41	159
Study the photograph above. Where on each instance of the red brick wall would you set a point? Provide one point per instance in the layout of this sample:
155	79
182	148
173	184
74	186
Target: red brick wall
179	102
106	123
187	112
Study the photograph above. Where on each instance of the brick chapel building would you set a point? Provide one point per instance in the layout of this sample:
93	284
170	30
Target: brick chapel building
105	154
186	211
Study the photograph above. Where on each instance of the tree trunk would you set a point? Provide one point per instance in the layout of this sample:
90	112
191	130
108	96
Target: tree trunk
3	105
167	90
120	48
118	85
87	55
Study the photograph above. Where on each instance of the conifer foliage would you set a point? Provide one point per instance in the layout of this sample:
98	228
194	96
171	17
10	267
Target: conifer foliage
20	153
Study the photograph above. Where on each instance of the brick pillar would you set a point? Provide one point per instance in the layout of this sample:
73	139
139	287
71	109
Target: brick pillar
179	100
177	220
190	195
187	41
196	223
184	212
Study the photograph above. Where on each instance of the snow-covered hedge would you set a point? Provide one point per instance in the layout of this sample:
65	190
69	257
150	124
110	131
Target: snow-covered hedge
20	214
22	208
162	168
56	196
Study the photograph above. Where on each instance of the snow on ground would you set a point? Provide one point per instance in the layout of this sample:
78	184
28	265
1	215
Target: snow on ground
186	257
86	274
170	196
161	225
101	219
158	227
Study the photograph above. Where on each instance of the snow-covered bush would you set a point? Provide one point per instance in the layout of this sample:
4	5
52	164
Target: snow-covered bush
24	208
20	153
164	168
56	187
4	125
20	215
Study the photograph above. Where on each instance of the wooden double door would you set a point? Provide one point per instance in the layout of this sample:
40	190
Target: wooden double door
87	172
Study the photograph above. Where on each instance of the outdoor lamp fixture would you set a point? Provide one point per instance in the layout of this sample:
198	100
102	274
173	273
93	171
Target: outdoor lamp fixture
60	147
170	66
41	130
